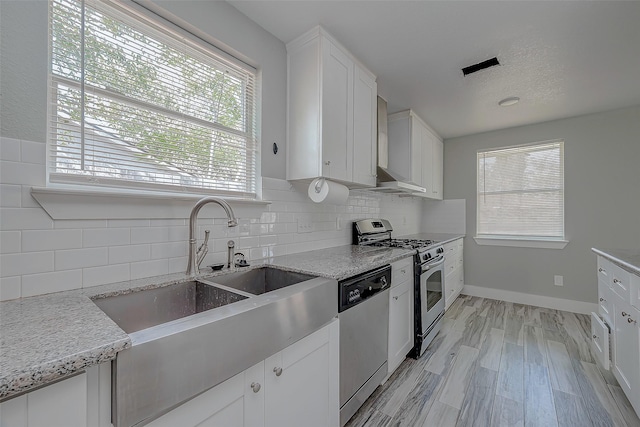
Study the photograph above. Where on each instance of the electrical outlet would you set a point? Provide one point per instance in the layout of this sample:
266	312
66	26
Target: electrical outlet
305	226
558	280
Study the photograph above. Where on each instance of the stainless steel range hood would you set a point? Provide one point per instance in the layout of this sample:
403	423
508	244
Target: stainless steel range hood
390	182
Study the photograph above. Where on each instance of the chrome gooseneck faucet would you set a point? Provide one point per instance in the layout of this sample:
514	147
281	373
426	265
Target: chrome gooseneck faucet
193	262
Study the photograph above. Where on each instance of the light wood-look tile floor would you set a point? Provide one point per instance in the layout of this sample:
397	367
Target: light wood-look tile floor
501	364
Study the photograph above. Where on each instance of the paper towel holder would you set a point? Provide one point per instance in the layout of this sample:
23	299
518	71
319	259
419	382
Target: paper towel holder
319	184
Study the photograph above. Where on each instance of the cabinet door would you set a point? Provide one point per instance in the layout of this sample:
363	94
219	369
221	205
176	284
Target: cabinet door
237	402
416	151
626	363
337	113
365	104
427	160
60	404
401	330
605	302
600	340
302	382
437	168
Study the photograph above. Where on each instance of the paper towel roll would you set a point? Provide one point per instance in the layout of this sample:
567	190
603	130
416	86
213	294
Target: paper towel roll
329	192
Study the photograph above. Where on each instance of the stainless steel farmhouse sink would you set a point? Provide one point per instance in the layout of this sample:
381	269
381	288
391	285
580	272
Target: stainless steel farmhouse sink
141	310
260	280
191	336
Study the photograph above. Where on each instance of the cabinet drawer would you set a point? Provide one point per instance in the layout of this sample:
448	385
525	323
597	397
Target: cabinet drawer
620	282
604	269
600	340
402	271
605	302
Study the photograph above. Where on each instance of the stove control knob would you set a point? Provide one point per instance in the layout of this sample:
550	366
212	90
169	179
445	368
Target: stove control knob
440	250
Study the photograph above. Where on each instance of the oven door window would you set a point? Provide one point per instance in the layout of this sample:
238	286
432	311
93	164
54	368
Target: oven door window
432	287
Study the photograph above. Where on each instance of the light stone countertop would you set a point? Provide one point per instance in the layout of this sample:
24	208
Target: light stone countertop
629	258
48	337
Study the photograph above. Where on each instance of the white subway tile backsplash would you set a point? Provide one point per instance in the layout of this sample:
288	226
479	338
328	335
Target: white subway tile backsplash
108	274
95	237
149	268
149	235
24	219
27	200
167	222
10	242
171	249
177	265
175	234
80	223
45	240
10	196
75	253
10	149
129	253
81	258
22	173
46	283
33	152
25	263
122	223
10	288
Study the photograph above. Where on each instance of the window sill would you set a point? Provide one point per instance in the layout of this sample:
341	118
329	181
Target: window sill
521	243
74	203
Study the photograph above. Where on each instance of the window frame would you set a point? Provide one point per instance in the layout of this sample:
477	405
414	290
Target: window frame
523	241
80	184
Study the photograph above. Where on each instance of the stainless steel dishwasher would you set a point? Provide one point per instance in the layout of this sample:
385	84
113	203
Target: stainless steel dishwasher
364	329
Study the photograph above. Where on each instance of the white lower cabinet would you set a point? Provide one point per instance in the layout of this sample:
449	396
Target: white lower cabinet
237	402
453	271
79	401
616	305
296	386
626	360
401	299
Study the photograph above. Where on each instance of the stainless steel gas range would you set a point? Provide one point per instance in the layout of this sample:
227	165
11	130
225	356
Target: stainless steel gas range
428	274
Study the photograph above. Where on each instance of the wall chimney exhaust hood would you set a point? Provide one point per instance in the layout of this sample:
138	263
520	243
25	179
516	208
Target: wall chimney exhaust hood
390	182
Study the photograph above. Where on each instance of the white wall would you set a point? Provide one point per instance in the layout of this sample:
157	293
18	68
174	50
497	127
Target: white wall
40	255
602	203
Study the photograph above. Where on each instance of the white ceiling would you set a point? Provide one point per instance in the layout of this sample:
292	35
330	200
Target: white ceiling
562	58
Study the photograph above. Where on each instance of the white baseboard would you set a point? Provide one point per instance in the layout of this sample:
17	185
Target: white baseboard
530	299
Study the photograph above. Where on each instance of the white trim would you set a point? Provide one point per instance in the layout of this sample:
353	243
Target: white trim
73	203
530	299
521	243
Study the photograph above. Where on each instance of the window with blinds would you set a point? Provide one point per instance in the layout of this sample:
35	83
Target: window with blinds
521	192
136	103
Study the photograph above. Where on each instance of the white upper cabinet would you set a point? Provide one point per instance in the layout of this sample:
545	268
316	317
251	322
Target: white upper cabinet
331	120
416	152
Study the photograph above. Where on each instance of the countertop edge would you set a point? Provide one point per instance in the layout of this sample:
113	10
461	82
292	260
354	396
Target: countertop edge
635	268
23	381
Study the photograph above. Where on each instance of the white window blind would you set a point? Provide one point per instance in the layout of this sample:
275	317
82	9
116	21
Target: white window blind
521	192
136	104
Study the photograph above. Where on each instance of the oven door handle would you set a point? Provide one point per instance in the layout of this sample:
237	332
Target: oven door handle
436	262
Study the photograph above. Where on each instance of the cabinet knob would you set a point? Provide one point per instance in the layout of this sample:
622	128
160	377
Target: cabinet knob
600	270
404	271
255	387
616	281
630	320
602	299
595	337
395	298
625	314
328	162
277	371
